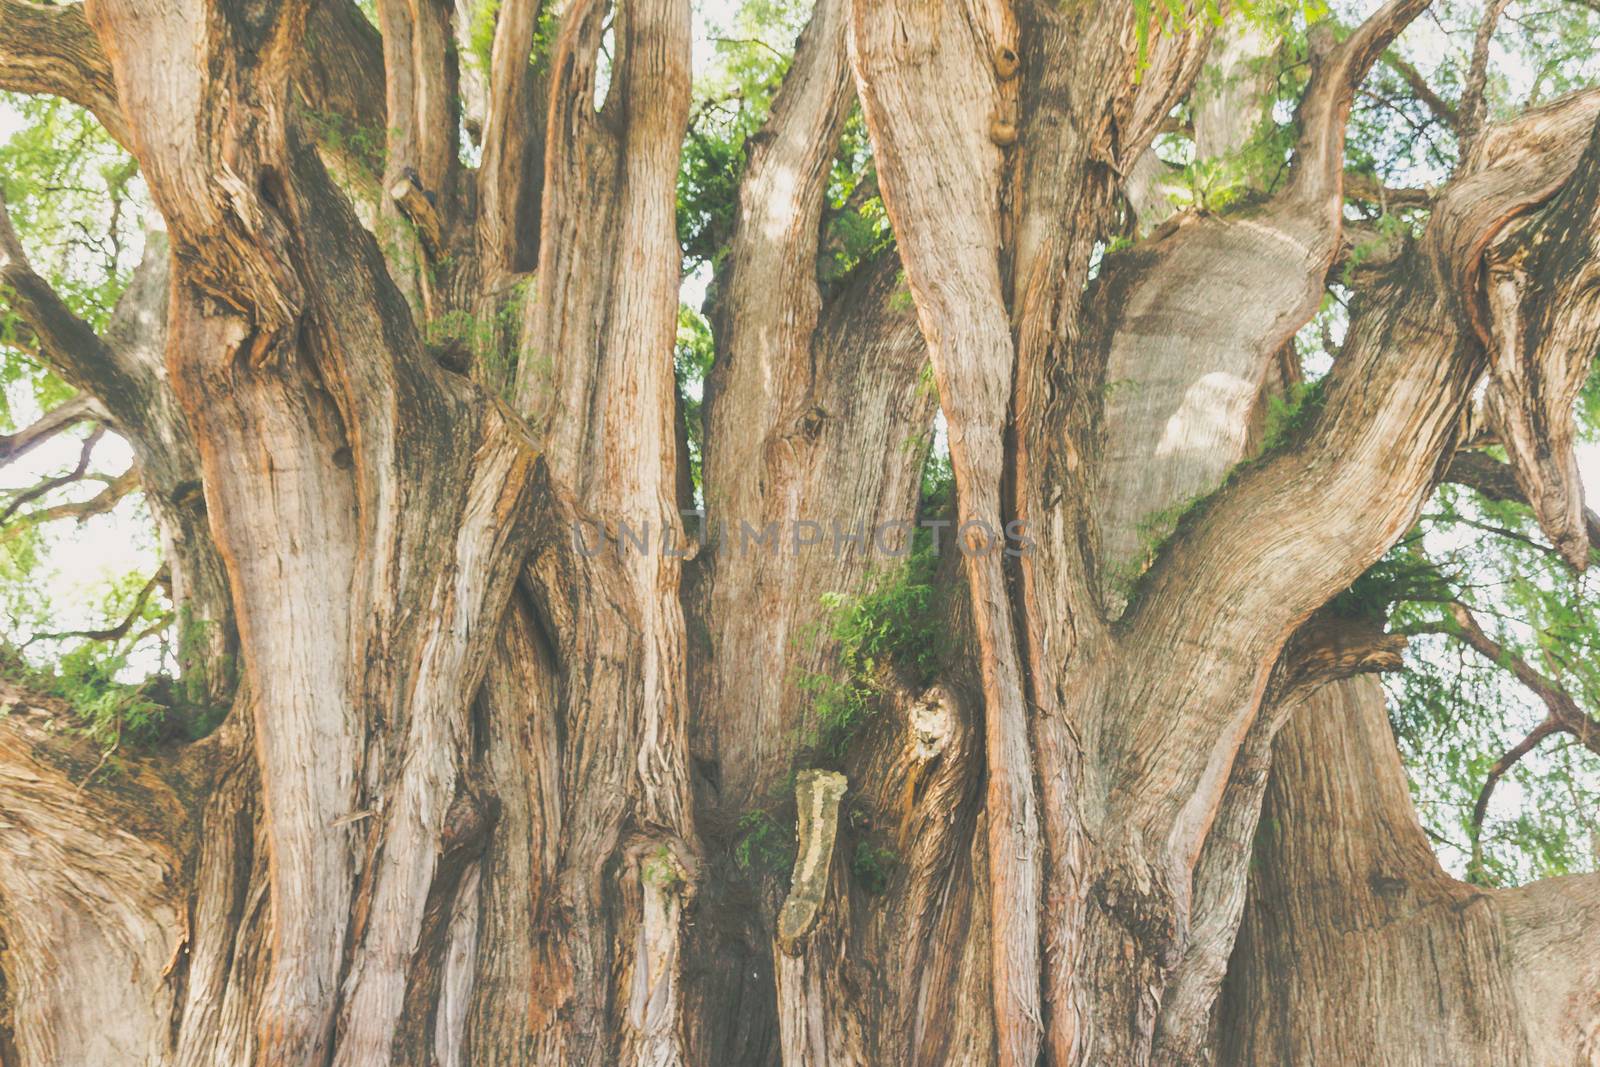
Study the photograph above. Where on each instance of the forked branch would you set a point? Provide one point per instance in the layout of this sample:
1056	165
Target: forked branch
58	419
79	471
1337	75
116	631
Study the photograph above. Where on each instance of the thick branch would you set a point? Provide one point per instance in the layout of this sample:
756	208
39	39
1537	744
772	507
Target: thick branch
1495	480
939	127
817	796
1540	321
1319	156
48	48
70	343
1317	515
1364	187
511	174
1330	646
420	70
1174	424
99	504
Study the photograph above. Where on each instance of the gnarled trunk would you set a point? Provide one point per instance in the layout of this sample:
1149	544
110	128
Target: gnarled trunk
498	727
1354	938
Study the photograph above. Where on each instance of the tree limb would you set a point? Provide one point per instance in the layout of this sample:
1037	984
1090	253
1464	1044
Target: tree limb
1330	646
511	174
70	343
1507	760
1563	709
109	633
1495	480
62	417
769	305
1312	518
1541	306
1473	101
77	473
1418	84
1562	714
49	49
1365	187
1319	156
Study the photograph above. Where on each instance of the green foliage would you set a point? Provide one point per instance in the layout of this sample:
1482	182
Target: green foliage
1155	531
109	711
732	100
938	484
76	201
856	225
662	869
1390	229
1455	712
765	845
691	362
902	300
1402	576
1288	417
1242	176
873	867
480	34
117	714
459	338
480	37
337	133
895	621
1152	18
840	708
106	681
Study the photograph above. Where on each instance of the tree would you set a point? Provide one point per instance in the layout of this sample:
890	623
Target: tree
510	767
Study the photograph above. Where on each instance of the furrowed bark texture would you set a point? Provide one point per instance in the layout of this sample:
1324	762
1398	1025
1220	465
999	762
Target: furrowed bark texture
596	374
1355	939
409	426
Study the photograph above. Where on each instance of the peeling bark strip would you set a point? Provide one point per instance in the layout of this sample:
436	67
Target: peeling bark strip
817	795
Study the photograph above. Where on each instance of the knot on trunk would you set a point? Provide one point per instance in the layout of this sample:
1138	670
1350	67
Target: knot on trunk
1137	900
817	796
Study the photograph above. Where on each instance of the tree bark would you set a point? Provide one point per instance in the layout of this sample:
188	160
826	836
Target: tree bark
481	789
1355	939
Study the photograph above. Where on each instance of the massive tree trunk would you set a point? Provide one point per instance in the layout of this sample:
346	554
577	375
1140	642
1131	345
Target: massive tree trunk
482	788
1355	939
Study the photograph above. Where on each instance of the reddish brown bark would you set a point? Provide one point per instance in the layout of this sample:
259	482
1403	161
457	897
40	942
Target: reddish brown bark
480	791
